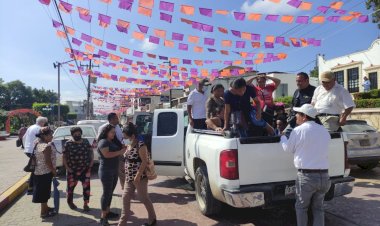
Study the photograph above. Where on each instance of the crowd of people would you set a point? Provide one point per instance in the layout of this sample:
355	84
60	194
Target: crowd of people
249	105
117	161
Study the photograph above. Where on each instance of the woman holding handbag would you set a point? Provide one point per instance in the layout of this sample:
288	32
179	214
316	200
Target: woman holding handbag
44	170
136	161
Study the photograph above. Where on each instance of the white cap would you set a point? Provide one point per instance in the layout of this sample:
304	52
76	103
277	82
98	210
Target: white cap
307	109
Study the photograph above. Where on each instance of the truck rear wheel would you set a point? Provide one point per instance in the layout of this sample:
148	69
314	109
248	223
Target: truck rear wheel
368	166
206	201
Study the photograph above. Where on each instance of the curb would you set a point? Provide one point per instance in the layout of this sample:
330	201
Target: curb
13	192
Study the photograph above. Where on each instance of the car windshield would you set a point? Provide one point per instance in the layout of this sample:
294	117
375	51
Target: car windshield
65	132
358	128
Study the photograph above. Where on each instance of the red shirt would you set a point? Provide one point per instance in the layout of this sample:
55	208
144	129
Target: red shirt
265	95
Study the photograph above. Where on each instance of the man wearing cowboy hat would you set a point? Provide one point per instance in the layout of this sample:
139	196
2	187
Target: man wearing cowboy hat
309	143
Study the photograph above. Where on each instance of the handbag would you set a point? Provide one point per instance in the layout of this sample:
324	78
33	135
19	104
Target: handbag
18	142
31	166
150	170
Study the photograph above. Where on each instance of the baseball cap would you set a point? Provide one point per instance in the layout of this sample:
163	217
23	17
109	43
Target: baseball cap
204	82
307	109
327	76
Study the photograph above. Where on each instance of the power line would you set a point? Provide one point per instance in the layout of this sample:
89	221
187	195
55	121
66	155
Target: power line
68	41
302	67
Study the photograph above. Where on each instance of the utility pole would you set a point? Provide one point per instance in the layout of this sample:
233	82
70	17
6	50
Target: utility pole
170	81
58	65
89	66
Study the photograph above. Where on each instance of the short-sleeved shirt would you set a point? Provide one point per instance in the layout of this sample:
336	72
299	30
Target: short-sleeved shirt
198	102
41	166
366	85
265	95
108	163
240	103
333	101
132	161
78	155
213	105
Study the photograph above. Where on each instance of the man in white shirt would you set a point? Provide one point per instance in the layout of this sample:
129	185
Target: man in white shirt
113	119
28	140
333	102
366	84
196	105
309	143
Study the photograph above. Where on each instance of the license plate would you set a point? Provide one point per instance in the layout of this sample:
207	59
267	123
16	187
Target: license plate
364	142
290	190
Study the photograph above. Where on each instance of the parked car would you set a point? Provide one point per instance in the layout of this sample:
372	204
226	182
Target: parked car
241	172
95	123
62	134
363	144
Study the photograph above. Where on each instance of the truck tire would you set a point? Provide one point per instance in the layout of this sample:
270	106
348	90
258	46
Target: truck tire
206	201
368	166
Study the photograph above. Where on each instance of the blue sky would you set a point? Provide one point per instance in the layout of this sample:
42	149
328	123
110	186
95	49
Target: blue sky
29	45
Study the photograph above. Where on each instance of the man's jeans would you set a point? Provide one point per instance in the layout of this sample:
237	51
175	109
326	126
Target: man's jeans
310	191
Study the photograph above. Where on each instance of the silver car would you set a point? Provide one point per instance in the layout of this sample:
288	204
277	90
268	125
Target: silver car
364	144
62	134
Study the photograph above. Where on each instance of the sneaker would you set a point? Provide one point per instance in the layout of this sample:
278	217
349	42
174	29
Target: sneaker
112	215
86	208
104	222
29	191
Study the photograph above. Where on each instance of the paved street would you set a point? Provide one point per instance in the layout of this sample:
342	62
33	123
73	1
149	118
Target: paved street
12	162
175	205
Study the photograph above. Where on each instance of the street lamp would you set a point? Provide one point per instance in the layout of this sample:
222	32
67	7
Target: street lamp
170	81
58	65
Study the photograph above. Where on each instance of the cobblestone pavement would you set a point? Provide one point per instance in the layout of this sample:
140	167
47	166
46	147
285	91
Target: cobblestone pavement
175	204
12	162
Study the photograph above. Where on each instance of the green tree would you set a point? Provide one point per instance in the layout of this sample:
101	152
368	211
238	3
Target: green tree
5	98
44	96
20	95
314	72
51	111
375	6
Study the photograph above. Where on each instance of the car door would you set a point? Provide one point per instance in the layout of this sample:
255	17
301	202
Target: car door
168	142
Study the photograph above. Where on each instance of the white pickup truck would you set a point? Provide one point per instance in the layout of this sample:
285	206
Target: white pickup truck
242	172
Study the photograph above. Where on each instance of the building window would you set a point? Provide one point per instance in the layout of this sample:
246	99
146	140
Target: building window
373	79
353	79
339	75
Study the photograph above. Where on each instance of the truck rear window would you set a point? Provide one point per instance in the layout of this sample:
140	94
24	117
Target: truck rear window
167	124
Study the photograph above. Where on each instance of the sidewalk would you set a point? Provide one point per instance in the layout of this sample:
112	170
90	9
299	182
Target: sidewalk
12	162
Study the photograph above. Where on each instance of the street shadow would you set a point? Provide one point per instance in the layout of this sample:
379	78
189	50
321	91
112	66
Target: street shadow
365	174
62	219
279	216
364	184
167	222
179	199
178	183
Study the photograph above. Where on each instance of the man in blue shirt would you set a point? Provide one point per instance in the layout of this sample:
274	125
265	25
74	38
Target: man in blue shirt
238	107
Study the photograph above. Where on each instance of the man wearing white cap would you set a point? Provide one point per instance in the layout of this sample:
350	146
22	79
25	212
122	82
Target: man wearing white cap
309	143
333	102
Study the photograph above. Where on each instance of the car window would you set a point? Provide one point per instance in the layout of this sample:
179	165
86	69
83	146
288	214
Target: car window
358	128
65	132
143	123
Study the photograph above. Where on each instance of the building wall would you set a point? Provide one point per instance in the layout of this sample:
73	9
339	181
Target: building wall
371	115
367	61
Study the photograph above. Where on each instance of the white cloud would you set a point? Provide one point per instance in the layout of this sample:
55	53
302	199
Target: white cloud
148	46
267	7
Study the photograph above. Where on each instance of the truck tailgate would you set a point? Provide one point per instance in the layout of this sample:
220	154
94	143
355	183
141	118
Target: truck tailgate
262	160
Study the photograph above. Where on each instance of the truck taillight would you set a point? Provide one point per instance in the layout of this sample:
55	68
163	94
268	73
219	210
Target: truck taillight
229	168
346	164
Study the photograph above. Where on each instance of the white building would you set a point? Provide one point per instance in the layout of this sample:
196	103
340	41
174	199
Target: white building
78	108
350	69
